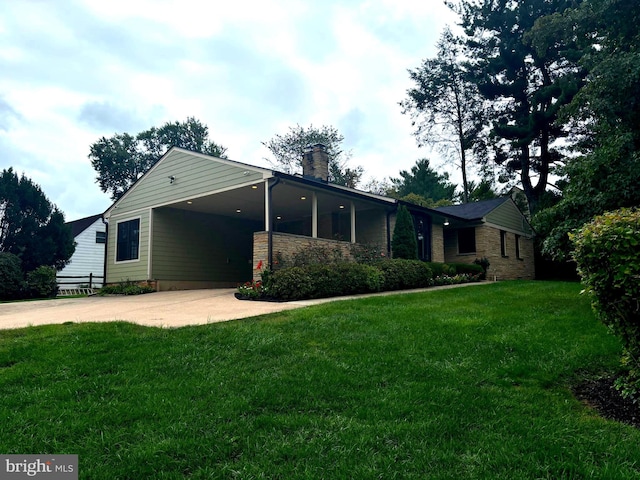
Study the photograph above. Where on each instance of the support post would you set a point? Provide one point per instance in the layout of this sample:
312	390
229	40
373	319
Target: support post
314	215
353	222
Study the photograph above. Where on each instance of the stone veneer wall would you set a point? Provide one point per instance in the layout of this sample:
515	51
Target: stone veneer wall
287	245
437	243
488	245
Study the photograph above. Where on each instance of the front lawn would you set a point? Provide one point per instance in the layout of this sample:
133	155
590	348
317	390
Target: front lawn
462	383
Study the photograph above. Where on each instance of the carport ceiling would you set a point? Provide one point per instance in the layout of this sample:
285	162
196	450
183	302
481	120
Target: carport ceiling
289	201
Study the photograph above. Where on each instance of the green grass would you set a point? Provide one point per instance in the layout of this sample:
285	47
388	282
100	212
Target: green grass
463	383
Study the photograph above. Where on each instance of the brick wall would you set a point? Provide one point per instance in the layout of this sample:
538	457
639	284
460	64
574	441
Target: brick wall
437	244
288	245
501	267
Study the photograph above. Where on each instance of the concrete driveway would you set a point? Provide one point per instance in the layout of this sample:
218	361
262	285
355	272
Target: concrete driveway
160	309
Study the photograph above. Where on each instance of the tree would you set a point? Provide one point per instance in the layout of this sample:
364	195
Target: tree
30	226
606	173
123	158
424	181
404	243
525	86
288	150
445	105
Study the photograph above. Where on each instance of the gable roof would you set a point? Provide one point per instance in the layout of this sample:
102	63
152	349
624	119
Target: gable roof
80	225
474	210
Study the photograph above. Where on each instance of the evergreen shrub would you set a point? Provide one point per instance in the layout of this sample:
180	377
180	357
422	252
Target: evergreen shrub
11	277
607	253
41	282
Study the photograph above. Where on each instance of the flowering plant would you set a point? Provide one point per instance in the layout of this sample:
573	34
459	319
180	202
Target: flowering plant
255	289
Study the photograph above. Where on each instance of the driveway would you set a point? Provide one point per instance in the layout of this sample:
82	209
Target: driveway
160	309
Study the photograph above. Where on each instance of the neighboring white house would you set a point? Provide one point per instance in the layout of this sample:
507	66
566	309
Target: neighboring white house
90	235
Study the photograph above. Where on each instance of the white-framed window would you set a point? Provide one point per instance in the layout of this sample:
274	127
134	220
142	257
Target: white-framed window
128	240
518	253
101	237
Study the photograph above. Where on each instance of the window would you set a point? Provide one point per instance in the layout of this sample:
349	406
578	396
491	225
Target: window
503	243
467	240
518	247
101	237
128	241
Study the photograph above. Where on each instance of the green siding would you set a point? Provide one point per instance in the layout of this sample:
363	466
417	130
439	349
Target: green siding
192	246
509	217
132	270
194	176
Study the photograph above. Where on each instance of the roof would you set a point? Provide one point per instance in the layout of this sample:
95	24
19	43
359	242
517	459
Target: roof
473	210
80	225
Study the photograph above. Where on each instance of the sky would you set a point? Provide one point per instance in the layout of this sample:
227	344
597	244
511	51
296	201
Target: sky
74	71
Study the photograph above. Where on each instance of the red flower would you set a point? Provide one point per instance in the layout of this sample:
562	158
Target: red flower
259	265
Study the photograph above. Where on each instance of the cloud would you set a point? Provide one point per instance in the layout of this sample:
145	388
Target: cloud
106	116
7	114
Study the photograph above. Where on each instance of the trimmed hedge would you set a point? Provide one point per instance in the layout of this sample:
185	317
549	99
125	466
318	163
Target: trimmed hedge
320	281
349	278
607	252
401	274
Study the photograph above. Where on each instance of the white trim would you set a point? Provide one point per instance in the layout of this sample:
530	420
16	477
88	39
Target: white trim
267	206
115	252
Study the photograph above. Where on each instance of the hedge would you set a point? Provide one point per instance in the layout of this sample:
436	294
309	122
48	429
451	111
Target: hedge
607	253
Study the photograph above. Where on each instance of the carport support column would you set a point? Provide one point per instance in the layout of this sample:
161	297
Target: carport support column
353	222
314	215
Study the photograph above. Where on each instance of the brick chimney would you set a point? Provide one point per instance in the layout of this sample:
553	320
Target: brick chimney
315	162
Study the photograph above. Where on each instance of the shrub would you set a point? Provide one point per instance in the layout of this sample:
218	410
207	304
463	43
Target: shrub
41	282
11	277
466	268
290	283
607	252
319	281
366	253
404	243
402	274
313	254
484	263
125	288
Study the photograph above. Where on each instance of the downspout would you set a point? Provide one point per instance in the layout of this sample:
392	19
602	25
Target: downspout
270	223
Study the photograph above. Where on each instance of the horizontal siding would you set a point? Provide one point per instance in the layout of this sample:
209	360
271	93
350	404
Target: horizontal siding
136	270
87	258
190	246
194	176
509	218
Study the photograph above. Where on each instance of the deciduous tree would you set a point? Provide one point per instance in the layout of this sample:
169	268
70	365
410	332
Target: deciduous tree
122	159
288	149
446	107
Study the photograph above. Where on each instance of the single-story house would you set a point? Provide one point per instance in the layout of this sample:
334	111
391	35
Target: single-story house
197	221
87	262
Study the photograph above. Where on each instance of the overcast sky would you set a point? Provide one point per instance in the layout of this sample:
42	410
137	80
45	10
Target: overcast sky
76	70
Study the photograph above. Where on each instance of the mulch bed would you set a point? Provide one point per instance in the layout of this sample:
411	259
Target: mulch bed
601	395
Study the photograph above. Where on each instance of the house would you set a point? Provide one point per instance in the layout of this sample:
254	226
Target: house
493	229
196	221
90	237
